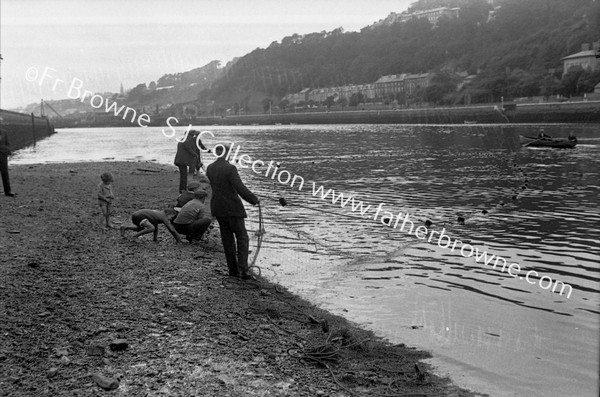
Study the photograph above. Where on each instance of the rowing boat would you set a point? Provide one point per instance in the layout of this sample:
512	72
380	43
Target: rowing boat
562	143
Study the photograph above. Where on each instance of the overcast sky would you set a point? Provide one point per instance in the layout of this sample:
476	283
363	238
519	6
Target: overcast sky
108	42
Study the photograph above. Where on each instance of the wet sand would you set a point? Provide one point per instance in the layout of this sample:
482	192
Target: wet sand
83	308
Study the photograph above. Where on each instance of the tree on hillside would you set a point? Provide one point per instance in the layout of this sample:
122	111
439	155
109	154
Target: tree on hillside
442	84
526	36
569	81
137	93
329	101
587	81
267	104
549	86
284	104
356	99
521	83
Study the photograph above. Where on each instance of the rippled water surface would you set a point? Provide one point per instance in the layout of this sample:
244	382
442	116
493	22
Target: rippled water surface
535	207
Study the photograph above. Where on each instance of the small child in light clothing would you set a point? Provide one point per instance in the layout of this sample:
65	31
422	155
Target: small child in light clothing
105	197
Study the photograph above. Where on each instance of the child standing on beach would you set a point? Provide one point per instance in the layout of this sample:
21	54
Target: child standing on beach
105	197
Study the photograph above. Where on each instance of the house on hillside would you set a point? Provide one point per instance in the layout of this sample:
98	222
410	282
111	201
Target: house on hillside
404	83
298	97
432	15
586	58
319	95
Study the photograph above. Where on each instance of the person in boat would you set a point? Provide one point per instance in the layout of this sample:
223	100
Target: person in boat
572	137
543	135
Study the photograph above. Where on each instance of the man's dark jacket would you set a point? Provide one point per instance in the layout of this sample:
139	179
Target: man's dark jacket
187	153
227	187
4	144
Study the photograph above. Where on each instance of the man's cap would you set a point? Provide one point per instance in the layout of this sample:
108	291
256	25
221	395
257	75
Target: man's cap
193	185
222	146
200	194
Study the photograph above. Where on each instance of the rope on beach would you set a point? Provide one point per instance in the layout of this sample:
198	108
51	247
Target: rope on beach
237	283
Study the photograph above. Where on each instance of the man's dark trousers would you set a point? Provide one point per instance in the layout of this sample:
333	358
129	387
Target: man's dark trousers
4	172
183	176
233	230
194	230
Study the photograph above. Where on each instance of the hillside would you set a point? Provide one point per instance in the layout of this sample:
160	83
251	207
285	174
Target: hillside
510	48
163	93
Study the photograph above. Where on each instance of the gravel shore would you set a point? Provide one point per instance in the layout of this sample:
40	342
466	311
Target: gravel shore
86	312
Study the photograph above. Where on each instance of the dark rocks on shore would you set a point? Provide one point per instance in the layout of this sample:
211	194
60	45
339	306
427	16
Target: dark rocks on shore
105	382
118	345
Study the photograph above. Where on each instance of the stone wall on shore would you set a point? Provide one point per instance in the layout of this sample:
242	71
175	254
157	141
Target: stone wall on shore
25	129
565	112
548	112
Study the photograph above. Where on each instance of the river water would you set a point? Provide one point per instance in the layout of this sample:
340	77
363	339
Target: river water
489	331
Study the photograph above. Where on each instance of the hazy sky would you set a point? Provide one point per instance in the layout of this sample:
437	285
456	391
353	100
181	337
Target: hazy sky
108	42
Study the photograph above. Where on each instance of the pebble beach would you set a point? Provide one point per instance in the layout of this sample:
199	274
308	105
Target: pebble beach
85	310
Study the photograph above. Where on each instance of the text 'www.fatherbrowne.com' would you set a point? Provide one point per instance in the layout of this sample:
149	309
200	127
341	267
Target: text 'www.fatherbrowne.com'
443	240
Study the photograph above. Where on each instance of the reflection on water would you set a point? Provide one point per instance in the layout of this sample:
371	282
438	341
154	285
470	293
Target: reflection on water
535	207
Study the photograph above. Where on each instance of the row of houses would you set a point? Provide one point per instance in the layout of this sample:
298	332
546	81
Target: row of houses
384	87
432	15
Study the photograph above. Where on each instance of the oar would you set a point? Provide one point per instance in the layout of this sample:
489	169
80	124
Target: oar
529	143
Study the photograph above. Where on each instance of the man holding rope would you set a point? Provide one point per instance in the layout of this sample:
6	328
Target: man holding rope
226	206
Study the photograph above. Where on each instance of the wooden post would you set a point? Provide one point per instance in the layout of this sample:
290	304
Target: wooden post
50	129
33	127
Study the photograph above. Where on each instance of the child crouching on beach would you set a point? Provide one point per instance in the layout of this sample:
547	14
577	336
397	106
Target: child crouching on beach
147	221
105	198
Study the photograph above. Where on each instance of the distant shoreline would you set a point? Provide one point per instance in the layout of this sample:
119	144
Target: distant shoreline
587	112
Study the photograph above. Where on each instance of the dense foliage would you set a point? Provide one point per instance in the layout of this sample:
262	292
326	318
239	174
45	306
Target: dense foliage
515	50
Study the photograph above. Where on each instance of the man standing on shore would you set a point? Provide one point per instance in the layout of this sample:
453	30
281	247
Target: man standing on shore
188	158
226	206
4	153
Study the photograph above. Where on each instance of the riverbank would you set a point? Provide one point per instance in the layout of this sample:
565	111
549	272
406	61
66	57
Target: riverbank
525	113
84	307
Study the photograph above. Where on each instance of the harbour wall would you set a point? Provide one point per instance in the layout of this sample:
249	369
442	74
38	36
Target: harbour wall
565	112
555	112
450	115
25	129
